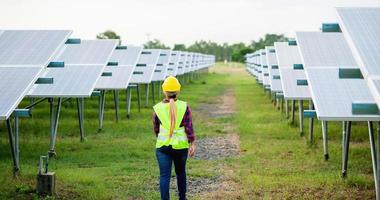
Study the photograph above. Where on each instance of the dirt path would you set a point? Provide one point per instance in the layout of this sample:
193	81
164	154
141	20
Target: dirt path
226	144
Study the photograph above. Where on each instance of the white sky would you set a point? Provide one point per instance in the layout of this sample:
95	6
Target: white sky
173	21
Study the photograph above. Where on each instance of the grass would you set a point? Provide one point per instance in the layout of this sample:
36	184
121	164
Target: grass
119	162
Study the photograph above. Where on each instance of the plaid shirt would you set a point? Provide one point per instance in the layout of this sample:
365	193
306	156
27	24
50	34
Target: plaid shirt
187	122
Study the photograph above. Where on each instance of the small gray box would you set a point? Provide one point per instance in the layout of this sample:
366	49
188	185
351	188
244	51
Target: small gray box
46	184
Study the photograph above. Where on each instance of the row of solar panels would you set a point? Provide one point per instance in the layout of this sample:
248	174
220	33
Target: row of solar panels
47	63
337	69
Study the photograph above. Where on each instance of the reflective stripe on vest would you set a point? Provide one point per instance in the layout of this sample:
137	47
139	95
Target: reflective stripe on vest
177	133
179	139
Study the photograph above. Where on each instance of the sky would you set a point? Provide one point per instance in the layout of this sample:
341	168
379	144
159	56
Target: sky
174	21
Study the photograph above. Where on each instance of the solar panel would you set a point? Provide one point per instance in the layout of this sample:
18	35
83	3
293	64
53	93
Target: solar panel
287	56
274	74
94	52
162	66
362	31
15	82
181	63
259	67
189	62
126	60
145	66
264	68
333	96
72	81
30	47
291	90
249	64
196	62
126	57
194	66
324	49
81	72
173	63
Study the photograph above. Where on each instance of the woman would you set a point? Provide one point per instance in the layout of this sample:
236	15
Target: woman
173	126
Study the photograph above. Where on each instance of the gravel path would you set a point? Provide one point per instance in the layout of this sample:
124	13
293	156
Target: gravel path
211	148
224	107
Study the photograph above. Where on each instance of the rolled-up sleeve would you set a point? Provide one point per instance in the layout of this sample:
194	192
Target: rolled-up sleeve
156	124
187	123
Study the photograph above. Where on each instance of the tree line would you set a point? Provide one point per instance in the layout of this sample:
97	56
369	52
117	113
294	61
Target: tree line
230	52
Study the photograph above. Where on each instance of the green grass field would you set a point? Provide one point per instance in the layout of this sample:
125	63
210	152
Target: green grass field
275	162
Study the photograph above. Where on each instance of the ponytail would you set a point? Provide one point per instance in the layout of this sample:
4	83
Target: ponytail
172	115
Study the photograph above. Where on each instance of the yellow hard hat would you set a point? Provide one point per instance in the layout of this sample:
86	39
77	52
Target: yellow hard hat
171	84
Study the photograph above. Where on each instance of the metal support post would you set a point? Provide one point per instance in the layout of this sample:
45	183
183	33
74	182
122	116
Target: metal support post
311	124
138	97
102	99
32	100
293	110
153	92
54	119
159	90
286	109
146	95
378	160
374	158
300	111
80	109
17	143
346	147
116	101
325	140
16	166
128	91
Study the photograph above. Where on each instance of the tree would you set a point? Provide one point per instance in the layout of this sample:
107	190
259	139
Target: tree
179	47
108	34
268	40
155	44
208	47
231	52
239	55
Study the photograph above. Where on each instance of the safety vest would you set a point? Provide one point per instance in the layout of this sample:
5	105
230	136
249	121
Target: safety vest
179	139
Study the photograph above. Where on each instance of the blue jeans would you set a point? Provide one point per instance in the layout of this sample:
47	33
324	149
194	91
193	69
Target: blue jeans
166	155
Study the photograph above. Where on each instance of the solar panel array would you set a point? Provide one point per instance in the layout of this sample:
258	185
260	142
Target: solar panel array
287	56
337	68
310	70
23	57
121	66
324	54
47	64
